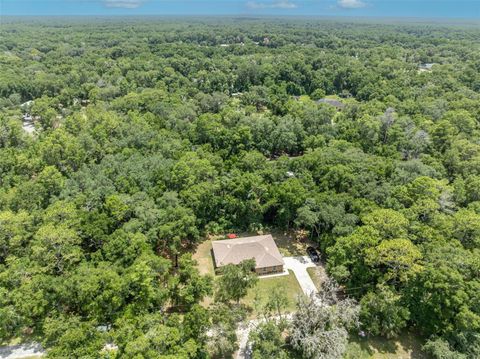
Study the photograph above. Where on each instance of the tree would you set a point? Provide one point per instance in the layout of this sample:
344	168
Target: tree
397	259
440	298
222	341
267	342
10	132
44	109
236	280
466	228
146	281
308	217
10	320
70	336
56	248
383	313
149	336
99	292
287	136
320	326
188	287
277	302
15	231
222	338
62	150
347	257
440	349
176	225
196	323
389	223
287	198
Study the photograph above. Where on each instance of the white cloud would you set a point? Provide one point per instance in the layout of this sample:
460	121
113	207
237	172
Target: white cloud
277	4
125	4
351	4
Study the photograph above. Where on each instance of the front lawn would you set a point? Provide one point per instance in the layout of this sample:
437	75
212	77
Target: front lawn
288	284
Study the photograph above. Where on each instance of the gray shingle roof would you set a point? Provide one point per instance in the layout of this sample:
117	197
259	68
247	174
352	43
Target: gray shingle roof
330	101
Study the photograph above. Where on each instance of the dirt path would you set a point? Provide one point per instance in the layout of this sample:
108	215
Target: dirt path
21	351
243	331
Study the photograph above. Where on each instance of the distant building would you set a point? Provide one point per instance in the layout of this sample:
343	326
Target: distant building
27	123
261	248
332	102
26	105
425	67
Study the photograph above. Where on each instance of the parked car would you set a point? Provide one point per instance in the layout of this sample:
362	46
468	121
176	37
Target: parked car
313	254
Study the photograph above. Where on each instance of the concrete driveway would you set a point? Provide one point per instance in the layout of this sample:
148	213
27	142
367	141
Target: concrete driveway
299	265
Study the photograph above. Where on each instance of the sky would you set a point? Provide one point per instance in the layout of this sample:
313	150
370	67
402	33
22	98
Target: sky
364	8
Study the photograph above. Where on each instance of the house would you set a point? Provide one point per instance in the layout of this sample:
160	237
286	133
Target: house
425	67
261	248
332	102
27	123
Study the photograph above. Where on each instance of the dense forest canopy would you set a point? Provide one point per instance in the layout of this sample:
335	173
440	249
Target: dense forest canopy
153	133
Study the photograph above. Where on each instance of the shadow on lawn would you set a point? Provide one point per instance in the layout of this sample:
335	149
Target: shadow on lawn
288	245
406	346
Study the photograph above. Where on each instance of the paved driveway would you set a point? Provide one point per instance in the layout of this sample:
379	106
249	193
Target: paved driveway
299	266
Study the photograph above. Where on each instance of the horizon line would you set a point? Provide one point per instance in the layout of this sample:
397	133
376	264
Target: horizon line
246	15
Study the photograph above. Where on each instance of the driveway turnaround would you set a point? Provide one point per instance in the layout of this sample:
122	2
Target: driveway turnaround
299	266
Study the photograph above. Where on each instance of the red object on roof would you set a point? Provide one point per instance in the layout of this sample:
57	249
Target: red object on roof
231	235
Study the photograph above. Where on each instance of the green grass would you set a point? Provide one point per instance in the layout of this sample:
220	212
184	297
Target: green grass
406	346
317	274
203	256
288	245
11	341
288	284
